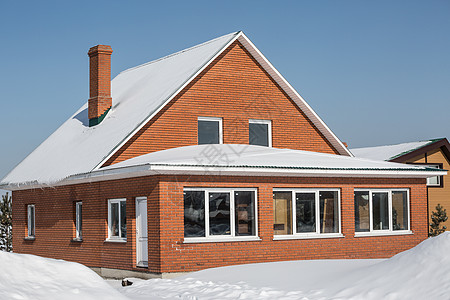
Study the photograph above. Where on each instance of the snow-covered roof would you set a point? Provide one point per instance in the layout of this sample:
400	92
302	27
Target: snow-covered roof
390	152
138	94
250	160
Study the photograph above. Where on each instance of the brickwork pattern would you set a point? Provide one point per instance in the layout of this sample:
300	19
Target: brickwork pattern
236	88
167	253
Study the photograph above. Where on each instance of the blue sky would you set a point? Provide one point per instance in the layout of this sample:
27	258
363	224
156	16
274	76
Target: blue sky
377	72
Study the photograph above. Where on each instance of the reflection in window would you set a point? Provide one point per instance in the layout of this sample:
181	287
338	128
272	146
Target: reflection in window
245	213
316	212
207	213
305	210
219	214
362	218
194	213
117	218
380	211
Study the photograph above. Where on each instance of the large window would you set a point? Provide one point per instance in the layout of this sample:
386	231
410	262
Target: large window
78	220
31	221
381	211
219	214
306	213
260	132
117	219
209	130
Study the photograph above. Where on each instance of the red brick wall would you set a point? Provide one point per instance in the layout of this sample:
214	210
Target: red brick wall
235	88
167	253
55	227
179	257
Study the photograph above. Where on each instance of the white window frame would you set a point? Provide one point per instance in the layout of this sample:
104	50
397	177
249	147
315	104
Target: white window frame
213	119
31	224
232	237
269	128
110	237
309	235
437	166
389	231
78	220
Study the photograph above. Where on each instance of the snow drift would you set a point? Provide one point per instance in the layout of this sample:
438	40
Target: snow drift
26	276
420	273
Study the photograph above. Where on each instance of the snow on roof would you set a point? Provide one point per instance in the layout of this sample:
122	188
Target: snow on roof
136	94
389	152
249	160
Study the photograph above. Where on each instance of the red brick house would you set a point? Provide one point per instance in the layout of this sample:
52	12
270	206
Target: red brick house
206	158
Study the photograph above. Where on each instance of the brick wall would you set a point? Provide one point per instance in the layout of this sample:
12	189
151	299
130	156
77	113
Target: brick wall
55	223
235	88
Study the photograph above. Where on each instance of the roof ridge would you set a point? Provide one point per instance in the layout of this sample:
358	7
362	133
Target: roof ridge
179	52
428	142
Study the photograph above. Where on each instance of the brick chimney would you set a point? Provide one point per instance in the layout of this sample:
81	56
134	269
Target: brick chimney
100	100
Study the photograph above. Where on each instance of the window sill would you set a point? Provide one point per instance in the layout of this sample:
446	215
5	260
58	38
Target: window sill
387	233
307	236
220	240
76	240
115	240
29	238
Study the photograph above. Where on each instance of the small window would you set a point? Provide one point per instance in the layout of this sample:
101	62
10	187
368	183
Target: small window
435	180
260	132
31	220
117	219
209	131
381	211
306	212
78	220
219	214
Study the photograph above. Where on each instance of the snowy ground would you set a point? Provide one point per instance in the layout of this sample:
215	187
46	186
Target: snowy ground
420	273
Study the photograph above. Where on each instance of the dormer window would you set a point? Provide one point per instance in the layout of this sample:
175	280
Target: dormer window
260	132
209	130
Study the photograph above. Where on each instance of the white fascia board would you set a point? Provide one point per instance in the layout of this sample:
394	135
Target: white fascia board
148	170
173	95
303	105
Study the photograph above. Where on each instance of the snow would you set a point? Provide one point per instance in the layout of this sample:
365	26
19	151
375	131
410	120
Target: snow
419	273
422	272
24	277
250	155
388	152
137	93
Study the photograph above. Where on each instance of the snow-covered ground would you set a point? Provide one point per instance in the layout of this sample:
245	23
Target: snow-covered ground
32	277
420	273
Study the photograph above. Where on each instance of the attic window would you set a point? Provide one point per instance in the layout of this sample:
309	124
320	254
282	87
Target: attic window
209	130
260	132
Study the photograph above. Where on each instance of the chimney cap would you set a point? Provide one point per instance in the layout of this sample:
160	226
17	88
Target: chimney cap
103	49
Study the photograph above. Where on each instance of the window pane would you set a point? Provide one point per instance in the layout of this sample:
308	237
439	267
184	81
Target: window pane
380	211
244	203
399	210
114	219
78	219
282	213
208	132
31	220
306	215
258	134
123	219
435	180
219	214
329	211
362	217
194	214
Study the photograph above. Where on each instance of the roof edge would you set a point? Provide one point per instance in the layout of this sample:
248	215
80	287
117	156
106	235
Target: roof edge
441	143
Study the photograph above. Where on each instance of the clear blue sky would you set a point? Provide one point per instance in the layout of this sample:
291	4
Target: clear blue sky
377	72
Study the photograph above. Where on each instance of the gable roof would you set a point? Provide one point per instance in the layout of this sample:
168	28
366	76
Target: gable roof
138	95
402	152
251	160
